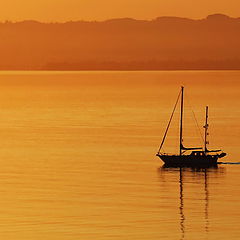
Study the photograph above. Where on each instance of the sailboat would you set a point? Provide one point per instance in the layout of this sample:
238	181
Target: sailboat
199	156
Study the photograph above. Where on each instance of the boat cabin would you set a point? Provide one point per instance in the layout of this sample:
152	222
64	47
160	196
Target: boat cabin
198	153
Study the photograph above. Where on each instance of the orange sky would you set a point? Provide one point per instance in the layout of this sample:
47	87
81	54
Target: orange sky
65	10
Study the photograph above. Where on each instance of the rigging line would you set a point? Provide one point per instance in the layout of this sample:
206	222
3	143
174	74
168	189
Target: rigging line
165	134
198	126
194	116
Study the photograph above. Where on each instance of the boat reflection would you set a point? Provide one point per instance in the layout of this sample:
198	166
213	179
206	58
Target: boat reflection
187	175
182	217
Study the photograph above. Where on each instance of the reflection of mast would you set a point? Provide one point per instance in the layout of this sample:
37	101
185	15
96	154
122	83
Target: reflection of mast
182	217
203	175
206	200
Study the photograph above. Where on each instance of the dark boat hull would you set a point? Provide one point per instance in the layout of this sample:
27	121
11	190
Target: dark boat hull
189	160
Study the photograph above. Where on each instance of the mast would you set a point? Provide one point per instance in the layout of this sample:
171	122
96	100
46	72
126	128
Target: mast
206	131
181	123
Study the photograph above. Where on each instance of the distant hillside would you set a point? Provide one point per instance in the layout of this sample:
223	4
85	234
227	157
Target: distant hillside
122	44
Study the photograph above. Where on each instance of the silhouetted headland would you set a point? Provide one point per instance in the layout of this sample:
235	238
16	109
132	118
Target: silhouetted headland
164	43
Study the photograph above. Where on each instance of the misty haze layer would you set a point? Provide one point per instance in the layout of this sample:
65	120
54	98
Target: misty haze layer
122	44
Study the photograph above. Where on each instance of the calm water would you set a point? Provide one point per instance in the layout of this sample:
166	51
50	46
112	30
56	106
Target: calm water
78	156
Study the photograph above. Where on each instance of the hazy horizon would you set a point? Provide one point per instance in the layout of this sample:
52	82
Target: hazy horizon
65	10
149	19
164	43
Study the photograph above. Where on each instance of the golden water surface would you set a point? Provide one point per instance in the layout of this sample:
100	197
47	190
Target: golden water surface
78	158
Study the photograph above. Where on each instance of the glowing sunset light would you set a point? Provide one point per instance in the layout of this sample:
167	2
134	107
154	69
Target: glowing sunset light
66	10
